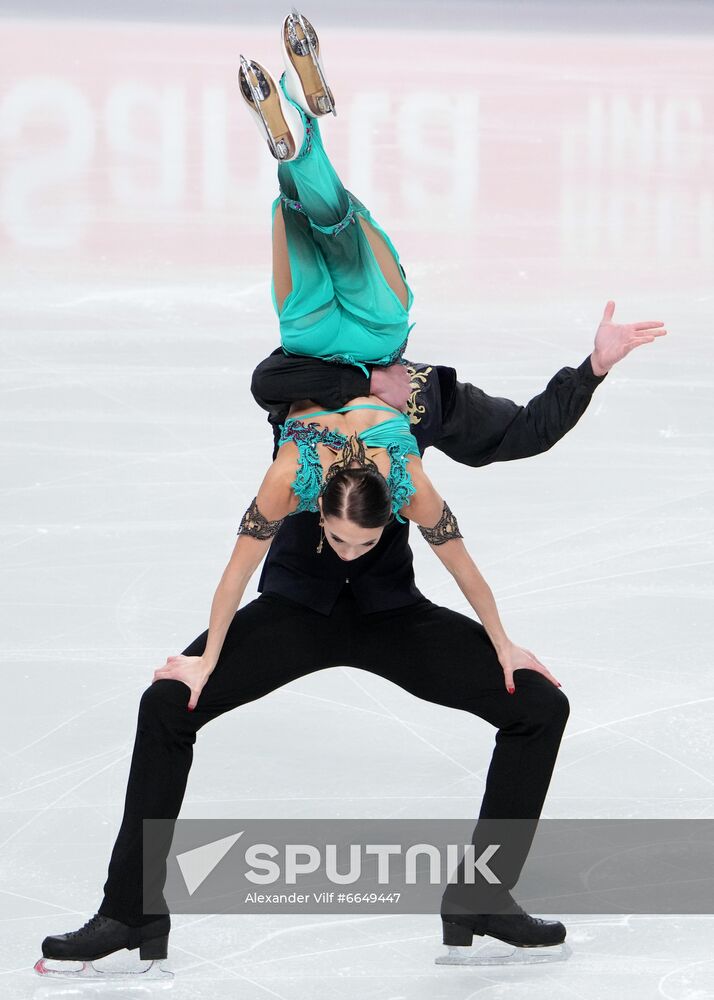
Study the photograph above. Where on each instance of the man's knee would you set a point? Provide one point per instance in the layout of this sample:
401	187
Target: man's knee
164	695
561	706
543	702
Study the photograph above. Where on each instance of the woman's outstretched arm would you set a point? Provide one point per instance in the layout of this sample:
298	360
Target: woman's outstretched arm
439	526
273	502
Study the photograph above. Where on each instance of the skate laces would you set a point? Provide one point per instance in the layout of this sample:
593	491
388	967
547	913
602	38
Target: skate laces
513	909
89	925
516	910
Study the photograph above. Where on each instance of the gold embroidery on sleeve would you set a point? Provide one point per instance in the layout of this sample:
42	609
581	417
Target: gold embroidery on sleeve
415	410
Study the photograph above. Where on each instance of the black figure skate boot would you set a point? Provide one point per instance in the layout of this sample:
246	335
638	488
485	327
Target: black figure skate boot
101	936
305	81
513	926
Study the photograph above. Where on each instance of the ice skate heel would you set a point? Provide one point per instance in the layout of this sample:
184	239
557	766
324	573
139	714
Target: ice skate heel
277	120
305	80
154	948
457	935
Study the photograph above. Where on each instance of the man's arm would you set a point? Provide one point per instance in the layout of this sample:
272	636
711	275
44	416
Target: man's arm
478	429
458	418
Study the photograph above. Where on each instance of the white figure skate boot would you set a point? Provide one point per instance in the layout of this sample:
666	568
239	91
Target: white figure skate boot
305	81
277	119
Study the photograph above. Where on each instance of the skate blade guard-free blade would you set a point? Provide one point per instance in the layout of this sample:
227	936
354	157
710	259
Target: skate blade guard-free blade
304	71
108	969
500	953
278	122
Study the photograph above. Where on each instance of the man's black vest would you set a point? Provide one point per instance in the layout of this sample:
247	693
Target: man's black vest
382	578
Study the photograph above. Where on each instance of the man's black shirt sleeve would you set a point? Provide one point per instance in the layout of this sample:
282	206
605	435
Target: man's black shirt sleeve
478	429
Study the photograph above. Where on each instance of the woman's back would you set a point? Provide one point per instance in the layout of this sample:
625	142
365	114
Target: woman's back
317	438
357	414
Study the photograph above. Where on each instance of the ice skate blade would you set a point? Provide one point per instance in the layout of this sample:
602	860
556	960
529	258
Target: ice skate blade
504	955
303	64
88	970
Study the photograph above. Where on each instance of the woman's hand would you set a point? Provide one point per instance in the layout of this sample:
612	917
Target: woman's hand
192	670
512	657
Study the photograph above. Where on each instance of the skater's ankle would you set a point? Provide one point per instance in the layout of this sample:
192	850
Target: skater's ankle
309	126
131	919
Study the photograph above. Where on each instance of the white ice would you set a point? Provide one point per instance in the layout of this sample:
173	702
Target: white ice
526	176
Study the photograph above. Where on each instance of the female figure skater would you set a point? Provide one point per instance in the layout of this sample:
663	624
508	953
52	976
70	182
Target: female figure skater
338	287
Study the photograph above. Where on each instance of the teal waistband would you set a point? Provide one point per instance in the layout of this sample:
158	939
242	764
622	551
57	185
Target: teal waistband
389	433
342	409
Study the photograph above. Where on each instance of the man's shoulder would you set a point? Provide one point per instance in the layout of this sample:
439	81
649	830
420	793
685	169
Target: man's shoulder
432	388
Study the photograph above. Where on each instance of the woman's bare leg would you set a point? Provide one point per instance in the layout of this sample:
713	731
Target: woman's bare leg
386	260
282	278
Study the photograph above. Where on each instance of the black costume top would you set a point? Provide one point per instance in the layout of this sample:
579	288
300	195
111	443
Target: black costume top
456	417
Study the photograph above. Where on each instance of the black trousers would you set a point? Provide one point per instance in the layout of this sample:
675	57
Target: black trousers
435	653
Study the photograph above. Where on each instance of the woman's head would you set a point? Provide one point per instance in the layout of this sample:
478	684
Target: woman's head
355	504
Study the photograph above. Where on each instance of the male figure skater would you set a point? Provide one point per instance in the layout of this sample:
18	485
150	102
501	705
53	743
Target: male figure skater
376	619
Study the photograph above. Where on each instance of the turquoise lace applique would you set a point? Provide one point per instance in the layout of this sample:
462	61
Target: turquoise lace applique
399	481
308	483
308	476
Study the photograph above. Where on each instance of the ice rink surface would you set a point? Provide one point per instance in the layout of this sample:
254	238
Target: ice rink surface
527	172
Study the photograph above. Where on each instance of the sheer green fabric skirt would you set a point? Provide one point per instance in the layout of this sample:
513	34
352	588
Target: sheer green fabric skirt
341	307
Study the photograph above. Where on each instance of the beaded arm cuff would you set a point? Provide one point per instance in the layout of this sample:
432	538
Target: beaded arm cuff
253	523
444	530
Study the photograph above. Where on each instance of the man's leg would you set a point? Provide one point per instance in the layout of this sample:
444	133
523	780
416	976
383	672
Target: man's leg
447	658
269	643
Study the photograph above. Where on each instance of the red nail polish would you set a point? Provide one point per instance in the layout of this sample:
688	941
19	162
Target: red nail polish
511	690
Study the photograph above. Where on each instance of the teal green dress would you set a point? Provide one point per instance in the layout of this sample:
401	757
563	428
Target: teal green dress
341	307
393	435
